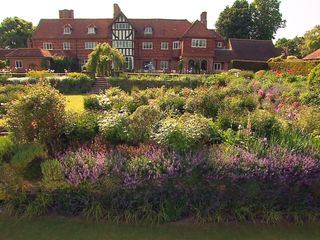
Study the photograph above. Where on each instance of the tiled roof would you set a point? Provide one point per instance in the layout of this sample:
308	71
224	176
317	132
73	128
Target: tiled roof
197	29
29	52
313	56
223	55
162	28
53	28
4	52
253	50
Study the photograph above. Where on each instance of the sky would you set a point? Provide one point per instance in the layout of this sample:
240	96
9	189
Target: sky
301	15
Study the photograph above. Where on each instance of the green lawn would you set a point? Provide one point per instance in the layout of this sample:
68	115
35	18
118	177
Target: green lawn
75	102
61	228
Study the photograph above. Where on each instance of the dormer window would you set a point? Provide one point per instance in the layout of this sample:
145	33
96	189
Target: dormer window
219	45
67	30
148	30
91	30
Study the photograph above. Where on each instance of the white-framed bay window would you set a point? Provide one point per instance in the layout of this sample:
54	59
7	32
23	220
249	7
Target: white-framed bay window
176	45
164	65
147	45
164	45
66	46
47	45
90	45
18	64
199	43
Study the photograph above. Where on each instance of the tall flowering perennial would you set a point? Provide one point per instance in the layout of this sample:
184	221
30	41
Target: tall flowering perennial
83	165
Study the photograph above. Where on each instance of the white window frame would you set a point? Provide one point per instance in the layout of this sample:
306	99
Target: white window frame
147	45
66	46
47	45
67	30
199	43
164	46
219	45
91	30
217	66
164	65
148	30
18	64
122	44
176	45
90	45
121	26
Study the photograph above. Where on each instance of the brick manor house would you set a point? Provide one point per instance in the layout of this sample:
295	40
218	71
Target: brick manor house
147	44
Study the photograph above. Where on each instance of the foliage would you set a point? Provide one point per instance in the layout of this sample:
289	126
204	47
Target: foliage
290	46
37	116
267	19
61	65
186	132
311	41
91	103
235	21
3	64
314	78
249	65
52	174
295	67
39	74
15	32
6	146
102	58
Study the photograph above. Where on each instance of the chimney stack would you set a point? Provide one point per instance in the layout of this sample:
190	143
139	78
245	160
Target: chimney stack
203	19
116	10
66	14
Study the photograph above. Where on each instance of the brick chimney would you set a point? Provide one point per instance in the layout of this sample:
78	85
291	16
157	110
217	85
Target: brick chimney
65	13
116	10
203	19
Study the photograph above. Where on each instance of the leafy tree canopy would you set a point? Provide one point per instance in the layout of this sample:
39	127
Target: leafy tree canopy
235	21
292	47
311	41
15	32
103	59
259	20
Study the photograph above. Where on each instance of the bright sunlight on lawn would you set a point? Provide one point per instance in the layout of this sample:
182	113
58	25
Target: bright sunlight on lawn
75	102
62	228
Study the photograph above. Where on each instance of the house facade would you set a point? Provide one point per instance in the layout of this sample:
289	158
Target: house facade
147	44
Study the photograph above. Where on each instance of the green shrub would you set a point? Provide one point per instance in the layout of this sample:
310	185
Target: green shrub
314	78
264	124
186	133
81	126
52	174
91	103
113	127
138	99
310	98
38	116
172	102
249	65
297	67
39	74
141	123
26	160
6	146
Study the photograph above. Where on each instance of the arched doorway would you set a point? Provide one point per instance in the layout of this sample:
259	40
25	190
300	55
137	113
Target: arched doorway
204	65
191	65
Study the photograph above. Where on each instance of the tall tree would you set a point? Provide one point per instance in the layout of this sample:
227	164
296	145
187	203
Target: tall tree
235	21
311	40
267	19
14	32
291	46
103	59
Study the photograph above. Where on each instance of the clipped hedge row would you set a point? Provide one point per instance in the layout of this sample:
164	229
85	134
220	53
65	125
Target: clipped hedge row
128	85
299	67
249	65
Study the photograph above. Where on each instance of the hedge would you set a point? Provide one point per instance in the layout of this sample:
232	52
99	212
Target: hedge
249	65
299	67
128	85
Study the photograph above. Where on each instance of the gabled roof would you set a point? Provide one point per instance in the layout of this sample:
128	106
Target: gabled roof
162	28
197	29
29	53
313	56
253	50
223	55
53	28
5	52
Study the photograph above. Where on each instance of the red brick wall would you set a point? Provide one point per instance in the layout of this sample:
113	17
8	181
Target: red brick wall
27	63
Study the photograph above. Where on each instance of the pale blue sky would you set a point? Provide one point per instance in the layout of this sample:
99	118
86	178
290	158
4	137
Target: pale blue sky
301	15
